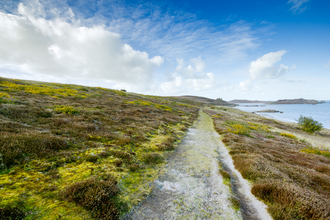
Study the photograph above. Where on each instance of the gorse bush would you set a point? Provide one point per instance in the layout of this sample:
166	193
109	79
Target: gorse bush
288	135
66	109
313	150
309	125
245	129
50	89
239	129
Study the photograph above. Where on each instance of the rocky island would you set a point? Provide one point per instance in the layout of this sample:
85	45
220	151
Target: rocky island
278	102
247	101
297	101
268	111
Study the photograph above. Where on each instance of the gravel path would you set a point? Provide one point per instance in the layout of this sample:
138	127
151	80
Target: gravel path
190	186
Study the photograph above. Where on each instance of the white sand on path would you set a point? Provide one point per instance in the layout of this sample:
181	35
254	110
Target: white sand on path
190	186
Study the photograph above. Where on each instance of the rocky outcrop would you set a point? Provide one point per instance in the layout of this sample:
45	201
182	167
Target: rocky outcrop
268	111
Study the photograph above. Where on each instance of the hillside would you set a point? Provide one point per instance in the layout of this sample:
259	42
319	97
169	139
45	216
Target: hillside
57	139
208	101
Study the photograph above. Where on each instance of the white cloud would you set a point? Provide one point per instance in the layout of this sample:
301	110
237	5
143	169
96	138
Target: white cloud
264	68
246	85
199	64
297	5
190	78
63	47
327	65
173	86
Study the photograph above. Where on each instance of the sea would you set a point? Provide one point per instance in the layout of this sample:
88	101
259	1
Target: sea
291	112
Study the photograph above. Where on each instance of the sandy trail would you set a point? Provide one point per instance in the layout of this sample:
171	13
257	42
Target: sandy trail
190	186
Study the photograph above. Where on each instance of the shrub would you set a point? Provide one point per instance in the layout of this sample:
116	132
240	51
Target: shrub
153	158
11	213
118	162
167	145
239	129
92	158
96	195
309	125
122	154
134	167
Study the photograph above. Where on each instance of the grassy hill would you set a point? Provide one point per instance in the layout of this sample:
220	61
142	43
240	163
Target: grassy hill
76	152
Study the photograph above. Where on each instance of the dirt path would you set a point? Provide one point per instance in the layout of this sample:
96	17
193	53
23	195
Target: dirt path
191	187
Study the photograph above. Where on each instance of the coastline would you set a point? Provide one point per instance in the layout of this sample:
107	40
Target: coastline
318	139
291	113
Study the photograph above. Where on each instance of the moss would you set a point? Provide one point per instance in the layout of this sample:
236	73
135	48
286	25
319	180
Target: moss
235	203
224	174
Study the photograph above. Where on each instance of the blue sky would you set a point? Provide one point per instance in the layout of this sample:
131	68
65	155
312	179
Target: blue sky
264	50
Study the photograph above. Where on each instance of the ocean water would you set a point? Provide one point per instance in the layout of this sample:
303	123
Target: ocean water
291	113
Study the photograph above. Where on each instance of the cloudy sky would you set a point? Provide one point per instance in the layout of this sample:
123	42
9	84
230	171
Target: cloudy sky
259	49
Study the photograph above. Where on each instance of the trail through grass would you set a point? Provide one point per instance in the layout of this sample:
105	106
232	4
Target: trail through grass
191	186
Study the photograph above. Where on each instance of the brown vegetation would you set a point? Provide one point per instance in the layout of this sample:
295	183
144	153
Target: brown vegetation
294	184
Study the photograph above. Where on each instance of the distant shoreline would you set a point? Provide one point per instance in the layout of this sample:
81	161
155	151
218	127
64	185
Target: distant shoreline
278	102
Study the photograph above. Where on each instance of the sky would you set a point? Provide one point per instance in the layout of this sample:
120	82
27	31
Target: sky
238	49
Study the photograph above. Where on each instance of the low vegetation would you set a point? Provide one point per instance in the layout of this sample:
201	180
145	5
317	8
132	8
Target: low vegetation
76	152
309	125
289	175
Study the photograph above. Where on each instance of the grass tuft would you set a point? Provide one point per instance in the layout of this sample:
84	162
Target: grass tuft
97	195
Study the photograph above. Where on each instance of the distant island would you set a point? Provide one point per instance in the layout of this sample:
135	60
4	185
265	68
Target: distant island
280	101
297	101
268	111
247	101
